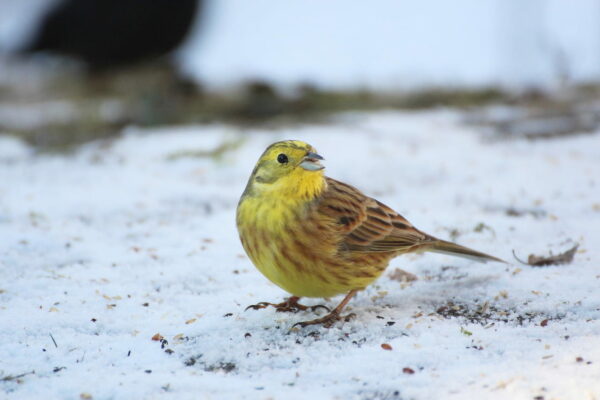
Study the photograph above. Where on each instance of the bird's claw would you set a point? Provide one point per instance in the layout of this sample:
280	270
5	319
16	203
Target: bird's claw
260	305
316	307
327	321
290	305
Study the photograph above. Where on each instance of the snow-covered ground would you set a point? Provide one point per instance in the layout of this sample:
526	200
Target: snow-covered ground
102	249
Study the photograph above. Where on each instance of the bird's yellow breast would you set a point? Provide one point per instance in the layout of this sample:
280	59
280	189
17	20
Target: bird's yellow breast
295	250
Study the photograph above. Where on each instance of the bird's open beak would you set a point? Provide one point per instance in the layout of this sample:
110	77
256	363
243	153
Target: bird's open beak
310	162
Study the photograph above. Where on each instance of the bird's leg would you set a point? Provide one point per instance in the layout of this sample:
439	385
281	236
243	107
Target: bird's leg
334	316
289	305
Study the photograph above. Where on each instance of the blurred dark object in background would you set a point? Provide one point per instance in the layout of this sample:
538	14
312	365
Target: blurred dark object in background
114	33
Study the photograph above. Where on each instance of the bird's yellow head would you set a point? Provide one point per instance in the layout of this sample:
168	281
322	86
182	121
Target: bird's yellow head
289	167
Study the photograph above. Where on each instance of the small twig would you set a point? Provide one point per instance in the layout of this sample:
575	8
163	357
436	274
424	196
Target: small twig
12	378
54	341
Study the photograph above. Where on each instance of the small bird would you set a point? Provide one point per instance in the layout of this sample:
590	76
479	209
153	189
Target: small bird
314	236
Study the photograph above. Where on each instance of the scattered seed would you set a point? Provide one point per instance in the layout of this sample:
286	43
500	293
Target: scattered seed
157	337
386	346
408	370
502	293
190	361
465	332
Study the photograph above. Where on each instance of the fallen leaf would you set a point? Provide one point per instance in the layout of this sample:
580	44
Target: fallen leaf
386	346
190	321
408	370
542	261
402	276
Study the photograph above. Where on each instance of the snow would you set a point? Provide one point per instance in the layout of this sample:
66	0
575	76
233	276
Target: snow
105	247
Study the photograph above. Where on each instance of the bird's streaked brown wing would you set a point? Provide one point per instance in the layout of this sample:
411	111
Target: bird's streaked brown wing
367	224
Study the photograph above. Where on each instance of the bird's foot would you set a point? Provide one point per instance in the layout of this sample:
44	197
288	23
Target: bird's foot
289	305
327	321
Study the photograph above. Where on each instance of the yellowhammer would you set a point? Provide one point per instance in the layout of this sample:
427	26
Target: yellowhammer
316	237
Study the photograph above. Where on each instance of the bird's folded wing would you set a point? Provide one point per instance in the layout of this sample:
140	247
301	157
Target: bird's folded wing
366	224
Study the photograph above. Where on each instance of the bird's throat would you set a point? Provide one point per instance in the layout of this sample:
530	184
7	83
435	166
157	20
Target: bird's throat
301	185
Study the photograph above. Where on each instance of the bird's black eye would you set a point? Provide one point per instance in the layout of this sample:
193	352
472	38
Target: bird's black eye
282	158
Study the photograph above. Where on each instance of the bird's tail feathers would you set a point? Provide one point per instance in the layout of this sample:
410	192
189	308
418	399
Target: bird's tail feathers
453	249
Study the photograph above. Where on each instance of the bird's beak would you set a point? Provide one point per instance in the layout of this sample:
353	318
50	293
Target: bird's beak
310	162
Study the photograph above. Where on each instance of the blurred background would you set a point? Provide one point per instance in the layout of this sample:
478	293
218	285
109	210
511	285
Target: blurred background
72	71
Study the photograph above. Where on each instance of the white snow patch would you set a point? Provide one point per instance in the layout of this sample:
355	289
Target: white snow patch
104	248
